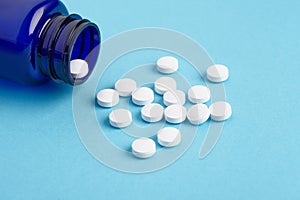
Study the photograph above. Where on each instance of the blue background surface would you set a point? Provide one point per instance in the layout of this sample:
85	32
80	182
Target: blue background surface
257	157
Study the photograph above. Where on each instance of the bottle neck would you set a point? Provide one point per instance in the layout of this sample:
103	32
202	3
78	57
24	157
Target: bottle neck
63	39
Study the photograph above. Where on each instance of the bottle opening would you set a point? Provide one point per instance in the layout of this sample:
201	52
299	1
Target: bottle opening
84	53
69	48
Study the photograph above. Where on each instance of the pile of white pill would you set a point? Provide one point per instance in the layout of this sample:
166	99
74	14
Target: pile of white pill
172	109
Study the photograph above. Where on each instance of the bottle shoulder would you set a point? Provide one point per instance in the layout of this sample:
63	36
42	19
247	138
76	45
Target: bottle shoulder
21	19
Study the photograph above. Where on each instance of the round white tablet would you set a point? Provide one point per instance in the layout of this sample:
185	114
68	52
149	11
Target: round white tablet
164	84
175	114
199	94
220	111
125	87
167	65
174	97
120	118
198	114
142	96
152	112
169	137
107	98
79	68
143	148
217	73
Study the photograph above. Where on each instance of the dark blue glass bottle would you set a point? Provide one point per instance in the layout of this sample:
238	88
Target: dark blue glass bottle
38	39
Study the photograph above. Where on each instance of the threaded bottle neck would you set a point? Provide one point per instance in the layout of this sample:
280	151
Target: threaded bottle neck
65	38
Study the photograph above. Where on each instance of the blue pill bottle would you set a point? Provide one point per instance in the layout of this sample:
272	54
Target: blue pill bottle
39	38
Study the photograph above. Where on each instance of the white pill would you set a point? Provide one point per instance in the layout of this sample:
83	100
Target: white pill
79	68
220	111
174	97
199	94
169	137
143	148
198	114
167	65
108	98
125	87
120	118
152	112
217	73
164	84
142	96
175	114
